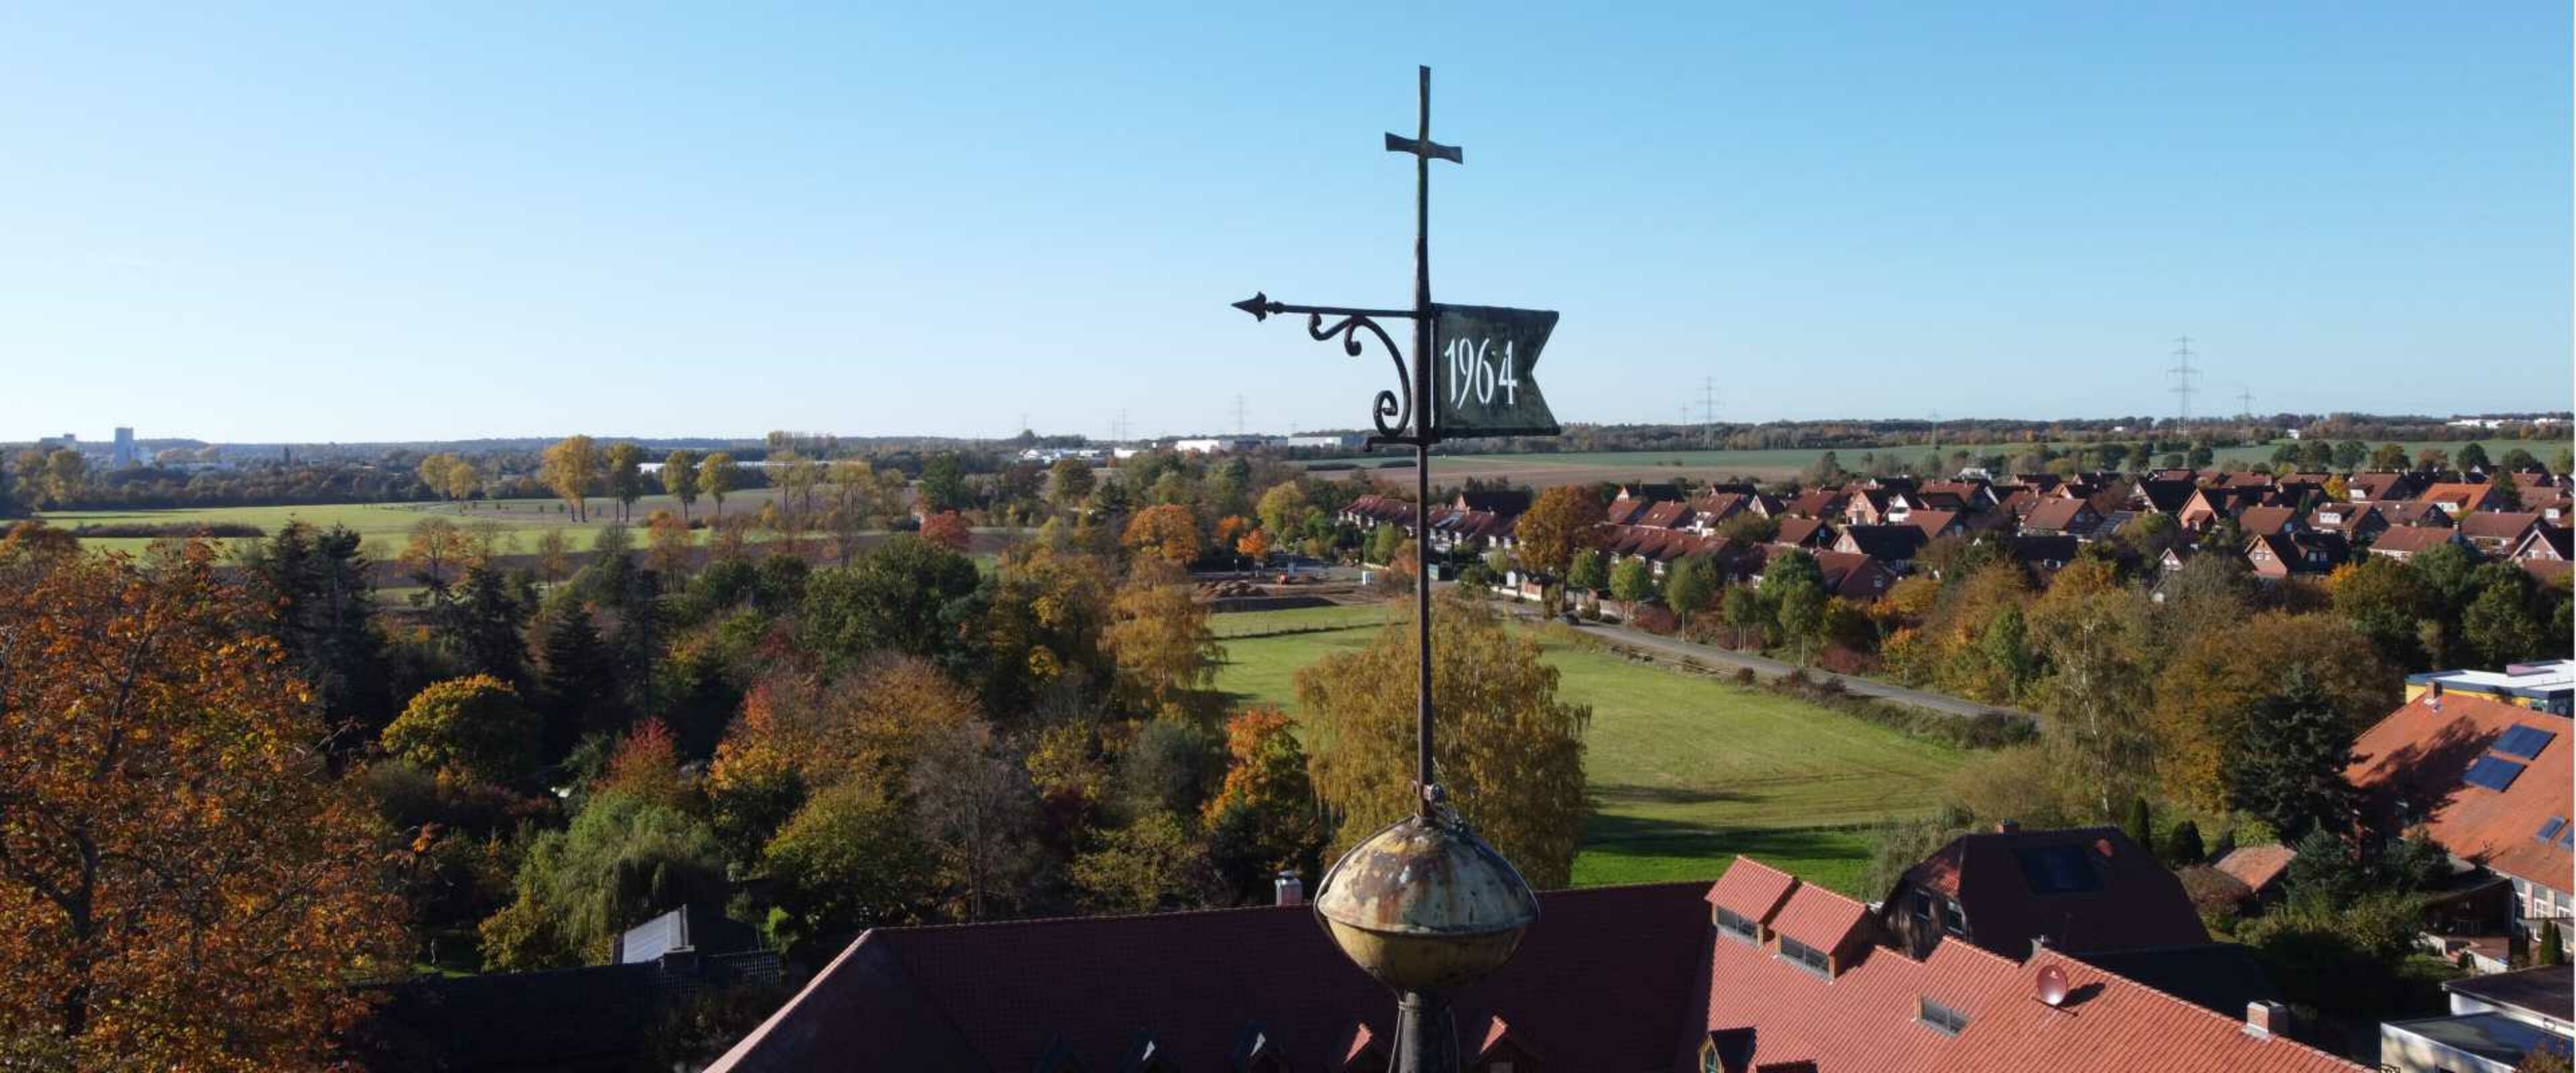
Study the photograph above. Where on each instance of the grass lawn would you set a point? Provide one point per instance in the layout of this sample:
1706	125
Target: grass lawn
385	526
1685	772
1299	619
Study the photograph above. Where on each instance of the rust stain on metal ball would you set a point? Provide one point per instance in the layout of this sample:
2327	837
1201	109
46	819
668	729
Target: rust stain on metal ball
1424	905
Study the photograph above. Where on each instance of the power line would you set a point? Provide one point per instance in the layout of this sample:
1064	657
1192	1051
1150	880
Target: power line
2182	373
1708	407
2245	398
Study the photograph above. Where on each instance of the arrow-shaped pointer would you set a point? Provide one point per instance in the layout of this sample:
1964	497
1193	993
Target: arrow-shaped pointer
1261	307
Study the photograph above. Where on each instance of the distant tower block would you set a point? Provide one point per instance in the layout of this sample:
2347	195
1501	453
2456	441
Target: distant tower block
122	456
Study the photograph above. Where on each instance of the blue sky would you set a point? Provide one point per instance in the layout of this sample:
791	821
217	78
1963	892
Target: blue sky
270	222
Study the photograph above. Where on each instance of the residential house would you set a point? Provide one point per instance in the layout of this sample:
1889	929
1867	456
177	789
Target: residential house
2498	532
2358	522
2458	498
1805	532
1508	502
2408	541
2079	890
2279	521
2061	517
2490	782
1858	578
2275	557
1894	545
2413	512
1936	524
2370	487
2210	504
2164	496
1754	972
1869	506
2043	554
2496	1022
2547	543
1820	503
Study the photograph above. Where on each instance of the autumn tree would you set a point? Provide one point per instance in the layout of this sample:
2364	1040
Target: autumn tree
1561	522
1152	864
668	542
625	465
1159	637
474	729
2098	691
904	595
436	546
432	472
1168	532
1283	508
1691	586
1630	581
1255	546
2219	678
716	477
571	469
680	479
1262	820
2385	600
1509	752
1589	572
183	883
848	860
1070	482
623	861
554	555
948	529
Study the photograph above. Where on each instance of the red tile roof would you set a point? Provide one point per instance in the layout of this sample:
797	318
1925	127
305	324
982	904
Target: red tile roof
2503	526
2266	519
1866	1019
2412	539
1751	889
2414	760
2256	866
997	997
2056	514
1819	918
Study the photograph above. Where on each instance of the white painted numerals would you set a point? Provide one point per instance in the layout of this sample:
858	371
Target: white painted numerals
1475	371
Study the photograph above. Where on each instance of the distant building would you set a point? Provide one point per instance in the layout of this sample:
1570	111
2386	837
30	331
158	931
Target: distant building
1327	441
2547	686
1217	445
122	455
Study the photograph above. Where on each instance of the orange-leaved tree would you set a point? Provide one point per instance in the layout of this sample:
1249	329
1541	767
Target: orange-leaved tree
947	529
1168	532
182	883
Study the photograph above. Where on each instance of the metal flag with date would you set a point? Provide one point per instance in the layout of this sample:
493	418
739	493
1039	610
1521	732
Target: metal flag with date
1482	357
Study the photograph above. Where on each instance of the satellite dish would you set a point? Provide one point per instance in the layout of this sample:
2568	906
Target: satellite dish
2052	985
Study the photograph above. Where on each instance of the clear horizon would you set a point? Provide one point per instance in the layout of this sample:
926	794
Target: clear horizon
314	224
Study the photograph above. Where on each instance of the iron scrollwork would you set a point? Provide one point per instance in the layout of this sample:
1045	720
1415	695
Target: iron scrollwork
1390	404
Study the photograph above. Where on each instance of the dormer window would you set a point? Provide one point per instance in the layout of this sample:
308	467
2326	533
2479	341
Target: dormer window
1736	924
1940	1018
1807	957
1956	921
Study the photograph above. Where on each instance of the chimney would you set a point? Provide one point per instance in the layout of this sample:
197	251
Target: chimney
2435	695
2264	1018
1291	890
2007	827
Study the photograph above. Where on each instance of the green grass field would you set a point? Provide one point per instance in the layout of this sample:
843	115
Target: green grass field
1685	772
1297	620
386	525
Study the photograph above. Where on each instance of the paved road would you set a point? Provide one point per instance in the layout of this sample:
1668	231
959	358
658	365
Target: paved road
1772	668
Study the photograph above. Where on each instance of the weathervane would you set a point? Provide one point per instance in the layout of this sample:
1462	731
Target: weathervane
1425	906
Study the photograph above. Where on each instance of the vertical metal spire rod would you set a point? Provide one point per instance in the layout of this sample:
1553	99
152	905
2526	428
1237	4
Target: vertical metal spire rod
1424	794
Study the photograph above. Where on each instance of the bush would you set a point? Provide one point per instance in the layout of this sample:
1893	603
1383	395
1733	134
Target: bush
1744	676
2182	845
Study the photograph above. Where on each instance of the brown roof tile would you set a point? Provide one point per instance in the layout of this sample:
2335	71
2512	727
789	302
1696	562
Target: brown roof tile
2415	760
2256	866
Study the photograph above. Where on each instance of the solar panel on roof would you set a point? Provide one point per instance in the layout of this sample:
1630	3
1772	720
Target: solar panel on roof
2525	741
2550	829
2492	773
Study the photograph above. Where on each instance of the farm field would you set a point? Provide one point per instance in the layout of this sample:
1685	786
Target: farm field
1548	470
385	526
1685	772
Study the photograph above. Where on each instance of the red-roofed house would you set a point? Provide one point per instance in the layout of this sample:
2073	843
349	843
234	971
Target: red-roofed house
2082	890
2405	542
2490	782
2062	517
2258	867
1613	979
2460	498
2498	532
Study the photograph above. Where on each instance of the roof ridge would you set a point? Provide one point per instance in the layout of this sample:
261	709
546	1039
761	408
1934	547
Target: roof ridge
2238	1020
954	925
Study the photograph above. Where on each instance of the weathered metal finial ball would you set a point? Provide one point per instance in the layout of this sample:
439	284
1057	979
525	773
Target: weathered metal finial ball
1425	906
